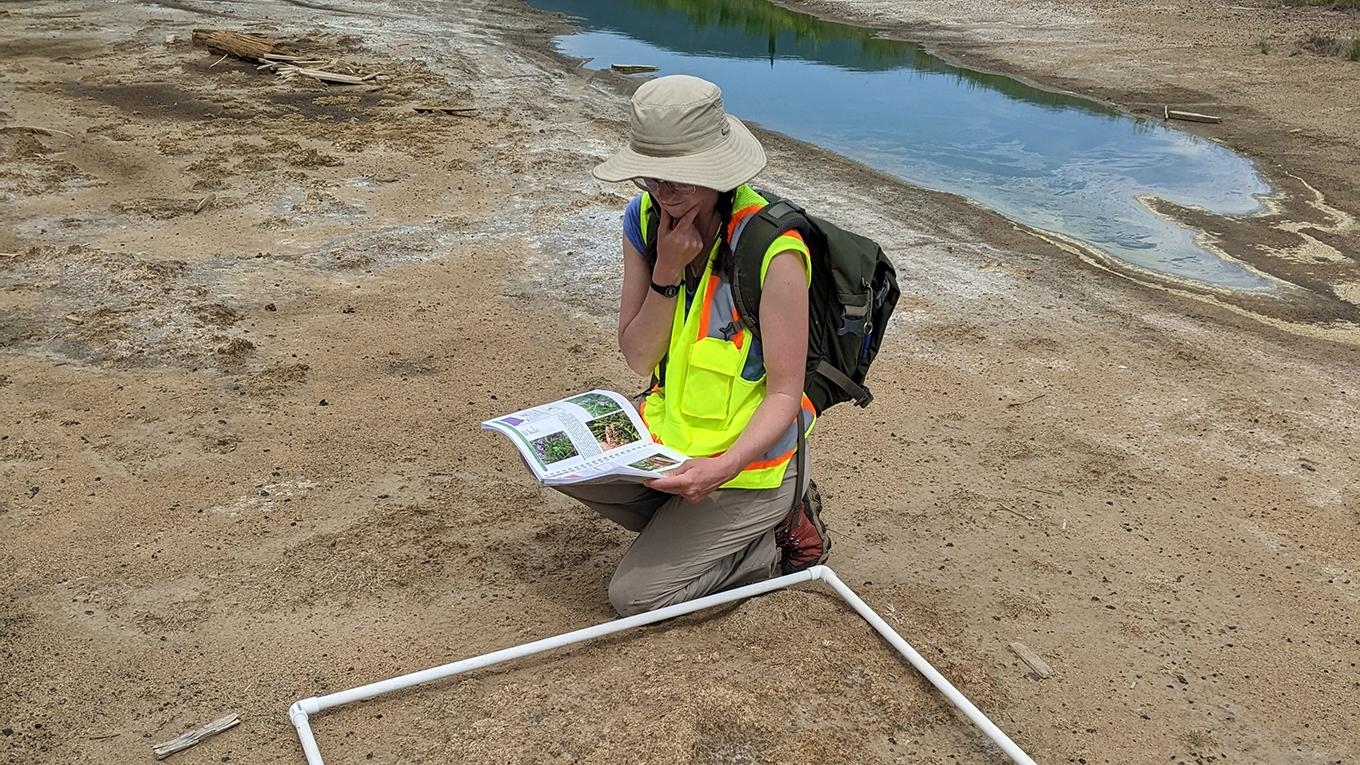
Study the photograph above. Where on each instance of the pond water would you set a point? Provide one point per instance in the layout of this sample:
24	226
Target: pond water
1051	161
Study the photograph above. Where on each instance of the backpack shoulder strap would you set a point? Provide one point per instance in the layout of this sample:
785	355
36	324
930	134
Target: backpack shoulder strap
754	237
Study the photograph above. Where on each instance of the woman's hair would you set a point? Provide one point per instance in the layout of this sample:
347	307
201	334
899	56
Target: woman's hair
725	262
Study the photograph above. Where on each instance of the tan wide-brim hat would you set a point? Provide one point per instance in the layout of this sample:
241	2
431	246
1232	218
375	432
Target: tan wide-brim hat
680	133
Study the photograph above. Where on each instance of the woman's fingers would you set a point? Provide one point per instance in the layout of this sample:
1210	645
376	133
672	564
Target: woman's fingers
679	241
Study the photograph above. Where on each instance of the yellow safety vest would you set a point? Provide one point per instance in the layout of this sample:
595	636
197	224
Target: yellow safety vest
715	367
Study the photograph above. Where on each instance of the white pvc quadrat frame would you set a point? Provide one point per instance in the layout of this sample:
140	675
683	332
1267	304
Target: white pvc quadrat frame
301	711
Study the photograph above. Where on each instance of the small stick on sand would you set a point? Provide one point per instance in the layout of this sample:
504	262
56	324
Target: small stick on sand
1031	658
1017	513
190	738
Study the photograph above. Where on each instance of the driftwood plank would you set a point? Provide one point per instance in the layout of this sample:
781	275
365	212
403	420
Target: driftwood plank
1173	114
190	738
633	68
1031	658
324	76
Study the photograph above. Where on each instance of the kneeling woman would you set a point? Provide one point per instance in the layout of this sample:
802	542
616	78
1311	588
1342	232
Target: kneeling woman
730	400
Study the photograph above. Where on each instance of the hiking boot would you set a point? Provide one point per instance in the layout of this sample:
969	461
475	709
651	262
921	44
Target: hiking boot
803	540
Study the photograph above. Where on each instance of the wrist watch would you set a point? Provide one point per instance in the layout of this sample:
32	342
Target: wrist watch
669	290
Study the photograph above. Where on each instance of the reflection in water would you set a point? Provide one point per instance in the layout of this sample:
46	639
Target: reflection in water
1048	160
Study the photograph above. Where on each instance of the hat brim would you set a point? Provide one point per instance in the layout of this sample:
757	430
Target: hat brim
735	160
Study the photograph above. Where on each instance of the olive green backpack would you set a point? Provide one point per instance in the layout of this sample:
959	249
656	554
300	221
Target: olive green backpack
853	293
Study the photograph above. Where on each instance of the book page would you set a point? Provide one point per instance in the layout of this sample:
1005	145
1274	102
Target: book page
635	463
582	432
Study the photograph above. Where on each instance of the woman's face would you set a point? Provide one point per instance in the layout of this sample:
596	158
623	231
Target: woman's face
679	199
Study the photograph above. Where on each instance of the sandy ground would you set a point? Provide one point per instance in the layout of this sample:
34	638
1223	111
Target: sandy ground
241	462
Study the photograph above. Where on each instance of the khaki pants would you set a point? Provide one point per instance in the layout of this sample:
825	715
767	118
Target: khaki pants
688	550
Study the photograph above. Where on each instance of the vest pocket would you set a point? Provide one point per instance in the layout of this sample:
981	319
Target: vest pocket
713	363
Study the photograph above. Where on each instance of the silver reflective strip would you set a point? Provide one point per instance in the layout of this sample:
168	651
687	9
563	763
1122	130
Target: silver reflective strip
736	235
789	440
720	311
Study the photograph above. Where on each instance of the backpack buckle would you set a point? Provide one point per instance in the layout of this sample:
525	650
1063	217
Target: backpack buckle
866	399
882	292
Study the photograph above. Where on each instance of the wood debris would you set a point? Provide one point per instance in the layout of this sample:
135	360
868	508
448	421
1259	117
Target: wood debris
1031	658
633	68
242	46
289	71
1015	404
274	56
190	738
1172	114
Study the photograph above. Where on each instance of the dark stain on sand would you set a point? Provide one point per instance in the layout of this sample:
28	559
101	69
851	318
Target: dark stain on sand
303	102
154	100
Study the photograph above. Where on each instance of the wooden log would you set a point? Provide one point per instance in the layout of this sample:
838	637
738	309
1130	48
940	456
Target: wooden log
190	738
1031	658
633	68
244	46
1172	114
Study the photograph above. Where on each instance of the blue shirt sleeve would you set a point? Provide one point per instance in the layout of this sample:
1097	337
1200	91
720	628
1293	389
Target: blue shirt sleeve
632	223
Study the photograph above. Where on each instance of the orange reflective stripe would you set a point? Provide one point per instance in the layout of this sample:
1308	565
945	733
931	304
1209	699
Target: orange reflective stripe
739	216
707	307
775	462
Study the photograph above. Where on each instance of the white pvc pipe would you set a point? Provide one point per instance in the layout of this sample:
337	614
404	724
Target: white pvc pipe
304	729
316	704
924	667
300	712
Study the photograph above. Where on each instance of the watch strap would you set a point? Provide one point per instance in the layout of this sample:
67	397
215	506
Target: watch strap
667	290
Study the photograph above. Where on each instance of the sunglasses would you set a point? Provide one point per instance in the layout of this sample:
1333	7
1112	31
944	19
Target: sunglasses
656	186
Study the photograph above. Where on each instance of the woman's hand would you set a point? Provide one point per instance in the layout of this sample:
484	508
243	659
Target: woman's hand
678	243
696	478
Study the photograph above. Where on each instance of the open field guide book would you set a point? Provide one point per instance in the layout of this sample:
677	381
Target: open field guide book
594	437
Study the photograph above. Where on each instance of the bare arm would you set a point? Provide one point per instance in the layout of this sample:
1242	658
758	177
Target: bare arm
645	316
784	332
